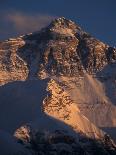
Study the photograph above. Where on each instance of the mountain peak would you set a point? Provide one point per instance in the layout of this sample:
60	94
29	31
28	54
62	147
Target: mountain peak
63	21
77	95
63	25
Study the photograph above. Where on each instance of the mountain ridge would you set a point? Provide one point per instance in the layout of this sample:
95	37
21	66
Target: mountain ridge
81	72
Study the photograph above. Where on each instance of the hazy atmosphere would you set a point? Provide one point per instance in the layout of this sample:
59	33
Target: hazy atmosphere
57	77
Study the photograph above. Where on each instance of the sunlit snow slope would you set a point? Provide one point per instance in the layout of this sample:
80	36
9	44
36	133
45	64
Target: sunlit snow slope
58	78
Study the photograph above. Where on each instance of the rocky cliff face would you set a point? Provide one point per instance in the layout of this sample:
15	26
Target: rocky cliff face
62	48
80	69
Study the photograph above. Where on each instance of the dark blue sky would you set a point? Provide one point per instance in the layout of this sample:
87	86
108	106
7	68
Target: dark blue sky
97	17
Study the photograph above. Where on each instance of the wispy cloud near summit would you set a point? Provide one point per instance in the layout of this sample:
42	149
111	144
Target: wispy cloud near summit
22	22
18	23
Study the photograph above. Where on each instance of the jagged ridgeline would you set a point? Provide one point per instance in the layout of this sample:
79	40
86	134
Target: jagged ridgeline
69	78
62	48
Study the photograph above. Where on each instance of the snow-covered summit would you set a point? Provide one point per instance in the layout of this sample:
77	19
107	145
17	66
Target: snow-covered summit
78	90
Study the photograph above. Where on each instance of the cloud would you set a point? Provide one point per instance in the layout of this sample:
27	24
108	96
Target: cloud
25	23
15	23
